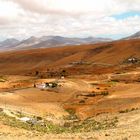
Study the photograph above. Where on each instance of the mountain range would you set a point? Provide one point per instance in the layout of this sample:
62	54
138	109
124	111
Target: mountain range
53	41
47	42
133	36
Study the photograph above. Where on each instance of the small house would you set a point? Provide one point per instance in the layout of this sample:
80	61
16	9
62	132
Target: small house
132	60
47	85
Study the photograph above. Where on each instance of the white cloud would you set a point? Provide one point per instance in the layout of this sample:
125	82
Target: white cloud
24	18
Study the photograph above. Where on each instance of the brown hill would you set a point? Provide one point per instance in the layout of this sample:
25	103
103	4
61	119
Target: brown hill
15	62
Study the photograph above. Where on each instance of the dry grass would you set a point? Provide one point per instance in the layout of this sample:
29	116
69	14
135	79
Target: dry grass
70	126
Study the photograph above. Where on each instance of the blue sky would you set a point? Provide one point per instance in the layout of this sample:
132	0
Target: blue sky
126	15
72	18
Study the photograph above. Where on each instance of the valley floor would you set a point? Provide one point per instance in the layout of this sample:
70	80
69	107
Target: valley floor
99	97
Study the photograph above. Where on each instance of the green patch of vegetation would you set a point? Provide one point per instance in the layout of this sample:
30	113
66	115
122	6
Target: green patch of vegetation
46	127
88	125
19	114
72	115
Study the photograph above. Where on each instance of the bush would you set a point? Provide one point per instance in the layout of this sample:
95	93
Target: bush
128	110
72	114
114	80
82	101
104	93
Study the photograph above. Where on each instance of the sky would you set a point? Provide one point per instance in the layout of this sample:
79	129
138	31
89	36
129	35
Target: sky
71	18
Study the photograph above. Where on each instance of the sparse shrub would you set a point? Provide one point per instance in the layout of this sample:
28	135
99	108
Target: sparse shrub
37	73
125	138
19	114
124	111
39	118
67	124
69	127
138	80
70	111
104	93
128	110
63	73
72	114
2	79
118	73
107	135
94	84
91	95
82	101
1	109
114	80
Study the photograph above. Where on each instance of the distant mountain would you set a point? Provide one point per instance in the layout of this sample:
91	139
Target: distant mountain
30	40
8	43
26	43
47	42
134	36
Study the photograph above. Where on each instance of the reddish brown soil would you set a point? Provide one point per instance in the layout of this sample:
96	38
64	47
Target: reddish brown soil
103	73
103	62
75	93
26	61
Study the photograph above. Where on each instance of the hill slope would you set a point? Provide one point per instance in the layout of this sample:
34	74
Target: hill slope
28	60
134	36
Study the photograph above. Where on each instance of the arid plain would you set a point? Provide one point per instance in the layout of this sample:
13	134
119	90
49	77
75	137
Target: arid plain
97	89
